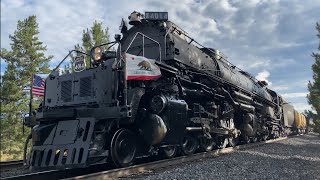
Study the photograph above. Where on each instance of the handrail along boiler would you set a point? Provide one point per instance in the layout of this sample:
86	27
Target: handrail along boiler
159	92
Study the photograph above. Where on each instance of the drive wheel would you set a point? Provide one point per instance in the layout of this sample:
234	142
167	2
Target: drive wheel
206	144
169	151
264	137
233	141
123	148
222	142
189	145
246	139
254	139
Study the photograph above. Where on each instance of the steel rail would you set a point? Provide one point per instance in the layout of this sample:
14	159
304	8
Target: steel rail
5	165
116	173
140	168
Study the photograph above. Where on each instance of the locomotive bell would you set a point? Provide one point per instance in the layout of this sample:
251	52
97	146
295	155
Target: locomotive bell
135	18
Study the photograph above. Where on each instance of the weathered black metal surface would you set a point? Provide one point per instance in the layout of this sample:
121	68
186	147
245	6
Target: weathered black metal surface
66	145
199	94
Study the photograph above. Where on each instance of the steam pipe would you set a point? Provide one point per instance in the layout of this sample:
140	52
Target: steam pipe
194	128
240	105
26	148
165	43
202	86
259	105
246	107
243	97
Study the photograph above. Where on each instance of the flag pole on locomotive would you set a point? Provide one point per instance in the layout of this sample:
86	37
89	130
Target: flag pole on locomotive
37	85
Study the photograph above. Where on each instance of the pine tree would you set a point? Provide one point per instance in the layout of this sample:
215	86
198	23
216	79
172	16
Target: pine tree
93	37
26	57
314	87
312	120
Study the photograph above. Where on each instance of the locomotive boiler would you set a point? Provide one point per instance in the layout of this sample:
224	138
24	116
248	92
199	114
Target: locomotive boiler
161	92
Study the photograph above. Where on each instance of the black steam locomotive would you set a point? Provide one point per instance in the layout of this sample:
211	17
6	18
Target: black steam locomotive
161	92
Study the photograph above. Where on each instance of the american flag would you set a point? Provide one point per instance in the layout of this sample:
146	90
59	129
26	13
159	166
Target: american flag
38	86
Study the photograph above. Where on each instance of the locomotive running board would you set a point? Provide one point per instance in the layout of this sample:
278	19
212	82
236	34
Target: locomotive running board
167	67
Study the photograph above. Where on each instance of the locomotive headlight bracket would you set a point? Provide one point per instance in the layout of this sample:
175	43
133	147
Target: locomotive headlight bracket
102	52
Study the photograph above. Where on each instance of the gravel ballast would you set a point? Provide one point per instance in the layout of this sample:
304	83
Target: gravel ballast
13	172
293	158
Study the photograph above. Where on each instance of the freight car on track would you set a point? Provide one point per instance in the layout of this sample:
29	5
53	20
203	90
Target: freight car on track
294	122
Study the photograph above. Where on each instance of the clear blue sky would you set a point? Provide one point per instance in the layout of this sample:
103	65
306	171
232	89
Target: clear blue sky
273	40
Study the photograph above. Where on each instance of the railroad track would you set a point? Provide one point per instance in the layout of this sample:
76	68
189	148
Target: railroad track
10	164
115	173
140	168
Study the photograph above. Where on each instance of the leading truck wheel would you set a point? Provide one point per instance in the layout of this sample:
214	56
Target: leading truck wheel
189	145
169	151
123	148
264	137
222	142
206	144
233	141
254	139
245	139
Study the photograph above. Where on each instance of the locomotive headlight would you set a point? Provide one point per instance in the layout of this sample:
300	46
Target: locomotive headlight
96	53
